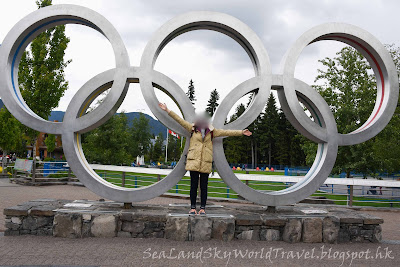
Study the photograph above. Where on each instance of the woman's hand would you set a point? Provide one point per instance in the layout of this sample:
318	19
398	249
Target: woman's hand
246	132
163	106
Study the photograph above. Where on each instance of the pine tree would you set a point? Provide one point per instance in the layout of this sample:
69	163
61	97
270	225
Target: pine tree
41	72
236	148
212	102
268	131
191	92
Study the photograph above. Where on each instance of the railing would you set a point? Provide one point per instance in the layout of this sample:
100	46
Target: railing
341	191
43	173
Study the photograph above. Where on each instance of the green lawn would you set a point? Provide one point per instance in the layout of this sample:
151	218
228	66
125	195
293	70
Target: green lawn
217	188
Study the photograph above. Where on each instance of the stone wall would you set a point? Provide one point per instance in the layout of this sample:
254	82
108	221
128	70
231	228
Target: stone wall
79	219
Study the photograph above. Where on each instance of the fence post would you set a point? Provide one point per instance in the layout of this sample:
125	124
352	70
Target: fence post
351	189
69	175
247	182
227	191
123	179
176	189
135	181
158	177
33	171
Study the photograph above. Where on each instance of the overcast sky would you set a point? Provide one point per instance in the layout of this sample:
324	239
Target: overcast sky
211	59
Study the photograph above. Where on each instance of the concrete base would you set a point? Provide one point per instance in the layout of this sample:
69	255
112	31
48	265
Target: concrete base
82	218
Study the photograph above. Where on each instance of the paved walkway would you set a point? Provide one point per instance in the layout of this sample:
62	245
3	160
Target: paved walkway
33	250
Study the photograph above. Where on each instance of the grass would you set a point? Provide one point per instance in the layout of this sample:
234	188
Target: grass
217	188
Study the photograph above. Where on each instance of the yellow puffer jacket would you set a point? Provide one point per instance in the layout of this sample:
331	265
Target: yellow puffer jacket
200	155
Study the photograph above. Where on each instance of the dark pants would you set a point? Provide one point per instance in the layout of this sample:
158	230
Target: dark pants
194	181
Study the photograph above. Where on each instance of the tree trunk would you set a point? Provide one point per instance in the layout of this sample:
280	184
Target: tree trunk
255	155
252	154
34	159
269	155
3	161
34	150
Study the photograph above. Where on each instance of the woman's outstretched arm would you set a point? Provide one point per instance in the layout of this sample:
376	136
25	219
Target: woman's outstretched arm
185	124
221	132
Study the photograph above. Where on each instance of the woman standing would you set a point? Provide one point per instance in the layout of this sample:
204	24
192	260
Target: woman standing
200	154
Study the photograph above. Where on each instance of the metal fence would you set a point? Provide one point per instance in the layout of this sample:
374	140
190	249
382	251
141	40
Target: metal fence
340	191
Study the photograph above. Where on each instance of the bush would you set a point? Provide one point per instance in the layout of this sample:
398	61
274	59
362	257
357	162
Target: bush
49	159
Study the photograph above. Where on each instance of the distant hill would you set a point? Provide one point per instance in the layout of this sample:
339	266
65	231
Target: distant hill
156	126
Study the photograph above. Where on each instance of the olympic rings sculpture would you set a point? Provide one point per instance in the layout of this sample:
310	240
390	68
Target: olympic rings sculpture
290	90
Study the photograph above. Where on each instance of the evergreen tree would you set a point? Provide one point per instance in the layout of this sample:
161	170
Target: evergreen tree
212	102
41	72
158	148
236	148
174	151
268	131
191	92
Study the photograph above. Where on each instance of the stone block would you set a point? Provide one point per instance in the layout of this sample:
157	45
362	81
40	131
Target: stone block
292	231
249	235
223	229
43	211
176	228
151	227
44	232
133	227
270	235
16	220
354	230
330	229
344	235
349	218
154	216
370	219
269	220
33	223
12	226
248	219
21	210
86	217
312	230
9	232
200	228
86	225
126	216
377	235
104	226
67	225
